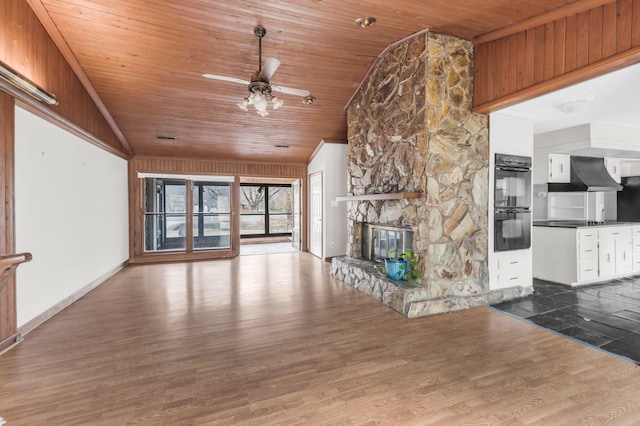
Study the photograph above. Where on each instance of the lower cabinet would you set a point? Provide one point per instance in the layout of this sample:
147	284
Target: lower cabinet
636	248
624	256
606	258
615	250
513	269
585	255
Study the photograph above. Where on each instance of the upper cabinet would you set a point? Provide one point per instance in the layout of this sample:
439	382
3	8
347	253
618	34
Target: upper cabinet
613	166
552	168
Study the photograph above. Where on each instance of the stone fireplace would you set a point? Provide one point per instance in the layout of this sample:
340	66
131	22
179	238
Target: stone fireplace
412	131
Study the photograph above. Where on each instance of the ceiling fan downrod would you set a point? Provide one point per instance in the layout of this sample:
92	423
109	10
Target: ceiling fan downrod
259	32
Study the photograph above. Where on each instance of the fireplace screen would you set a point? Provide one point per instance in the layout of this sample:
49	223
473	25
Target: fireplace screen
382	241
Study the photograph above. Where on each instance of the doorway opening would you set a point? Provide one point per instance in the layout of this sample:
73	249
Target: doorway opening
268	215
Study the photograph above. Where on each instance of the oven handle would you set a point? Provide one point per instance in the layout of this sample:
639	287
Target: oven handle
513	210
513	169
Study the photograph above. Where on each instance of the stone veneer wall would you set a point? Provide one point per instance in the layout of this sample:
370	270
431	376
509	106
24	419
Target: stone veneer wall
411	129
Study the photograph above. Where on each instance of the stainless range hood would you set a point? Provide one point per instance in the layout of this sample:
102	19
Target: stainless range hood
587	174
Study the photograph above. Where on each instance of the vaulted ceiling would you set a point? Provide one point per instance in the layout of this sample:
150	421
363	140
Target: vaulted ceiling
145	60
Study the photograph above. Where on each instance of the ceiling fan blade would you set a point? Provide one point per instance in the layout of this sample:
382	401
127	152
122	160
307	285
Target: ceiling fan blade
290	91
269	68
223	78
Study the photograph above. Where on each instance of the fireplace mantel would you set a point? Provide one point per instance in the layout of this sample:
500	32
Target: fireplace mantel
390	196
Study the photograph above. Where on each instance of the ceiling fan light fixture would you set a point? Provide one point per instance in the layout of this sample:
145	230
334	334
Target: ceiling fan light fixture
277	102
259	101
366	21
244	105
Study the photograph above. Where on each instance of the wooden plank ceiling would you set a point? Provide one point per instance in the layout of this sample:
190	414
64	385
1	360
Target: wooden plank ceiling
145	59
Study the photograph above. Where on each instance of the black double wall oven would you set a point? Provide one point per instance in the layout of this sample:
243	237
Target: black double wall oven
512	206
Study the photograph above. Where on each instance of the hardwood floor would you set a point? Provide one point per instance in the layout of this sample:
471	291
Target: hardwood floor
270	340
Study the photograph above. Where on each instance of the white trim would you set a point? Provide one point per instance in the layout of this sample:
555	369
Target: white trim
199	178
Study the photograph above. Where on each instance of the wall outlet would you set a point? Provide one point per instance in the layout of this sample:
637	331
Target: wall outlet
334	203
333	244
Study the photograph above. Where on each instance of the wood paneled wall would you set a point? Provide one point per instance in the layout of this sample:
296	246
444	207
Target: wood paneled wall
8	321
26	47
564	51
217	167
199	167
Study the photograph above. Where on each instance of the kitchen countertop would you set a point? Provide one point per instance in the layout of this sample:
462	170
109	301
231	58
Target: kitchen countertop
580	223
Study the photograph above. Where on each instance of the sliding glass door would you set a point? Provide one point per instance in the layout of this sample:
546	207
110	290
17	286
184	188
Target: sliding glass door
212	215
173	221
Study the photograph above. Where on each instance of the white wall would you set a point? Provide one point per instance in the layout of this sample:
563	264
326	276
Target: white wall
507	135
71	213
331	160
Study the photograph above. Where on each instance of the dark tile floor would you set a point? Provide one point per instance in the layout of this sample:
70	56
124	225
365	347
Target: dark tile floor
603	315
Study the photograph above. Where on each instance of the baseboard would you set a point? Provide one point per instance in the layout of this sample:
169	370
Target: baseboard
64	303
9	343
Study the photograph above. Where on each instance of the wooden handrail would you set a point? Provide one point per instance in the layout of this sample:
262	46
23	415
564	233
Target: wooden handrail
9	263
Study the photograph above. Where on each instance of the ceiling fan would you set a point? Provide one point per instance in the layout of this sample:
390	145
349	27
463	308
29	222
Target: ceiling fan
260	90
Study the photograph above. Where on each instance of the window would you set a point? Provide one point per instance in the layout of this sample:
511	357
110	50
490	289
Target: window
166	213
252	210
266	210
280	211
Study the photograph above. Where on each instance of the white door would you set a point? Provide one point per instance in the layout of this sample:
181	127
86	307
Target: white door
315	208
297	215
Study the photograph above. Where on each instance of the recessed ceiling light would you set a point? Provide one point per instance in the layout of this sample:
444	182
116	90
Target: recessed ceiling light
366	21
308	100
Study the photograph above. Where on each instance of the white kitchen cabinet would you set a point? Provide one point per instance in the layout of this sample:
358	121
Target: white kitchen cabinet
624	258
552	168
514	269
606	258
586	255
559	168
636	248
613	166
614	250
